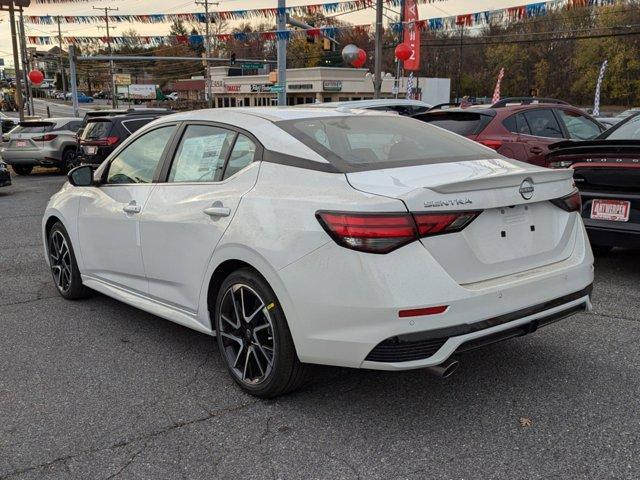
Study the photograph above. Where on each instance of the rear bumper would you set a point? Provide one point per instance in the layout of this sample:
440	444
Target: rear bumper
34	157
347	304
611	233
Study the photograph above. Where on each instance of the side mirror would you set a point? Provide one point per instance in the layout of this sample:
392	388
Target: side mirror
81	176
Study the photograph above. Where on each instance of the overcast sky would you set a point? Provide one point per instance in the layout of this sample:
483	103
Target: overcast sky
439	9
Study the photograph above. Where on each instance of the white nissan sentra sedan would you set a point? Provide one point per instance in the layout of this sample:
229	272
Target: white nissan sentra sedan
322	236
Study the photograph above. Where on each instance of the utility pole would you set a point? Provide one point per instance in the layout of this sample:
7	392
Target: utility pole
61	59
16	59
377	79
282	54
114	93
459	87
73	79
25	65
208	48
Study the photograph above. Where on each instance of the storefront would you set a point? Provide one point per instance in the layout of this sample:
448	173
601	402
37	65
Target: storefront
319	84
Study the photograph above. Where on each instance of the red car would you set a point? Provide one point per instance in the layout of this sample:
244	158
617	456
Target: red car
520	128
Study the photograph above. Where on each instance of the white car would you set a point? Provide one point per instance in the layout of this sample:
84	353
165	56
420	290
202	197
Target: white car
401	106
301	236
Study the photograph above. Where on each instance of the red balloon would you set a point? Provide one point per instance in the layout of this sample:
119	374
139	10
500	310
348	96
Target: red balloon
403	52
360	61
36	77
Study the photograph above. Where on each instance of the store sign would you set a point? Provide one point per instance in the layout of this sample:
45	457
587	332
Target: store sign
217	86
232	88
300	86
122	79
261	88
332	85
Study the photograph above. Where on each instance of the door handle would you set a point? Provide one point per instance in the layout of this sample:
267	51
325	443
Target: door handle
536	150
217	211
132	208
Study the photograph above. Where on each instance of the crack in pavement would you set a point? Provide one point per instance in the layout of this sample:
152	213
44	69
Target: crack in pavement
128	463
28	301
144	438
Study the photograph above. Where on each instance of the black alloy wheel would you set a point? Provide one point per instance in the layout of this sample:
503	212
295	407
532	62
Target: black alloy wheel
253	337
64	268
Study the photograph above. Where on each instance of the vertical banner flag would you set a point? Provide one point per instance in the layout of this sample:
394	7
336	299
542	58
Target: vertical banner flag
496	92
596	100
411	34
410	87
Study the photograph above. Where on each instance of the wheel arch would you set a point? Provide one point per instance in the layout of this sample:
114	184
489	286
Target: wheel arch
226	261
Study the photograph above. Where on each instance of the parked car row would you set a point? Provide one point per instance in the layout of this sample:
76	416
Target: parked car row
66	142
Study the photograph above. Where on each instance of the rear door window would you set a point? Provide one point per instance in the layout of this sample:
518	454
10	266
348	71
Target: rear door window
517	124
543	123
578	126
243	153
462	123
201	154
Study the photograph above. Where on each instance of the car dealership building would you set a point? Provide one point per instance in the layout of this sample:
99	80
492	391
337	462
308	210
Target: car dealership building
318	84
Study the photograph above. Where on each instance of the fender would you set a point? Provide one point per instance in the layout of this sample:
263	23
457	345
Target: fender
234	251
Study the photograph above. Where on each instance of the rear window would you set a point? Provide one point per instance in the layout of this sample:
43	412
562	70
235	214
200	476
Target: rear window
462	123
628	131
355	143
41	127
97	129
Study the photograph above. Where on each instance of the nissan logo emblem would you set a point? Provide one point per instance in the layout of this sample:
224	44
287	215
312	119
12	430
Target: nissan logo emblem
526	189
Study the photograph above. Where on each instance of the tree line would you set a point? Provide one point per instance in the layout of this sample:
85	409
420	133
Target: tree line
559	54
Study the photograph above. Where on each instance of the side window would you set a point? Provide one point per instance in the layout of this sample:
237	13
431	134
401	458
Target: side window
138	162
517	124
543	123
579	126
243	153
134	125
201	155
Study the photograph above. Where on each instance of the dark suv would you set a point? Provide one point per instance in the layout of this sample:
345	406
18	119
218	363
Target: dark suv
101	135
521	128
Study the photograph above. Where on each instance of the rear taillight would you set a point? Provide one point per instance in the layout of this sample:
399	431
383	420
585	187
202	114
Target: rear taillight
495	144
436	223
570	203
101	142
45	138
384	232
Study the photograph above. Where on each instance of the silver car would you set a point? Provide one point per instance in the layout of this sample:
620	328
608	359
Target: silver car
50	142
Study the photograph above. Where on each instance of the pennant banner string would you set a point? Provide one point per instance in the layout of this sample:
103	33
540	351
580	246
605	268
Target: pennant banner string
490	17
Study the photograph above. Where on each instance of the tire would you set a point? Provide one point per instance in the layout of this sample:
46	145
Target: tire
22	169
68	160
601	249
64	268
263	365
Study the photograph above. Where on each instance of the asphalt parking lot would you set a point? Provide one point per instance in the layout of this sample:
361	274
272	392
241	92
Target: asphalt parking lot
98	390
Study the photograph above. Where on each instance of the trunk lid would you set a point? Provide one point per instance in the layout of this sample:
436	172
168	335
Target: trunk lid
518	229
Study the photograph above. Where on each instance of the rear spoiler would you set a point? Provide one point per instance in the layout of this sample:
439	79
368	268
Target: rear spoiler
503	180
569	147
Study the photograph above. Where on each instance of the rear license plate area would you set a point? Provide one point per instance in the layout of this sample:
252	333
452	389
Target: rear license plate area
90	150
611	210
21	143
